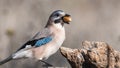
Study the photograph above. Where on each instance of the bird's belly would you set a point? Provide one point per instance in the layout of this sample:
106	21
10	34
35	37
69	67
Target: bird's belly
50	51
53	48
43	52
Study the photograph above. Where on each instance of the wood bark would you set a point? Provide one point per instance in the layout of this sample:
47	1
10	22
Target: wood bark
92	55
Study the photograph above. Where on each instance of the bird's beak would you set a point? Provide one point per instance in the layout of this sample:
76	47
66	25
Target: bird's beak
67	19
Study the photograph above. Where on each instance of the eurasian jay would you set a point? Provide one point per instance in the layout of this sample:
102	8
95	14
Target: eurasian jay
46	42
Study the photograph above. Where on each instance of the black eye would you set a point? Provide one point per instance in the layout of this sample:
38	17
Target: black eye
57	15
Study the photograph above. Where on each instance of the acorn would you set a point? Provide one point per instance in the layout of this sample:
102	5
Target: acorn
67	19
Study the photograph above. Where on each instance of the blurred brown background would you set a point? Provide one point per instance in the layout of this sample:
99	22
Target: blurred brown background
93	20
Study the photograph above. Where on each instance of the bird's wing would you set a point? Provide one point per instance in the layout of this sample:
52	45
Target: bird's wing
38	39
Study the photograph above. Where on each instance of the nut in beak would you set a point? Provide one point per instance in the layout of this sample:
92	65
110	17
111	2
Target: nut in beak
67	19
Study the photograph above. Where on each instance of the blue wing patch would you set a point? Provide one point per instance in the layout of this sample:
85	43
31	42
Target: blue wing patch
37	42
43	41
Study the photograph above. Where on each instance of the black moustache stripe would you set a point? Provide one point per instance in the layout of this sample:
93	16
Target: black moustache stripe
57	21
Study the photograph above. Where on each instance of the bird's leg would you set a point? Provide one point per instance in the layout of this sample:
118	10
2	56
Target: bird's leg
46	64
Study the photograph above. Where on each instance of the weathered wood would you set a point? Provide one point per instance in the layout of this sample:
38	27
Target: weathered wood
92	55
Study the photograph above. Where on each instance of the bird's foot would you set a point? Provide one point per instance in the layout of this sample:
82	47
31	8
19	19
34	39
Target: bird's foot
46	64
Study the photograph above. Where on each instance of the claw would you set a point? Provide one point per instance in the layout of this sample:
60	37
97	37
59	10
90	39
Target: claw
46	64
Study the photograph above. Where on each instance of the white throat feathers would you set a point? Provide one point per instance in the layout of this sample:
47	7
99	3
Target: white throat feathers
58	26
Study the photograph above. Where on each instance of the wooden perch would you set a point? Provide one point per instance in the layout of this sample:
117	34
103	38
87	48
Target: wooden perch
92	55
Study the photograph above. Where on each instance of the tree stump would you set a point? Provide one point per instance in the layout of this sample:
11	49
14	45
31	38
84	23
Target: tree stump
92	55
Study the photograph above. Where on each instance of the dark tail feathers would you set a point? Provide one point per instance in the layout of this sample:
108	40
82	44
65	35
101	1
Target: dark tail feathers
6	60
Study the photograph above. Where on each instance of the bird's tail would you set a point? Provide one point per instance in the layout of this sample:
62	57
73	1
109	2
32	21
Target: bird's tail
6	60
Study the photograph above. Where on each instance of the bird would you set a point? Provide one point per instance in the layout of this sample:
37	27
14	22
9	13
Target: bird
45	42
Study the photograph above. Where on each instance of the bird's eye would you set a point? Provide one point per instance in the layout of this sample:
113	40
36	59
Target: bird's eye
57	15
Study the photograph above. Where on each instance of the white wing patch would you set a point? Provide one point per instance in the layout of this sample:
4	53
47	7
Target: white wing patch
23	54
28	46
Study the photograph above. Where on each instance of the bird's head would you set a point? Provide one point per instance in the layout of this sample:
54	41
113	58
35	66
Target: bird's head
59	17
